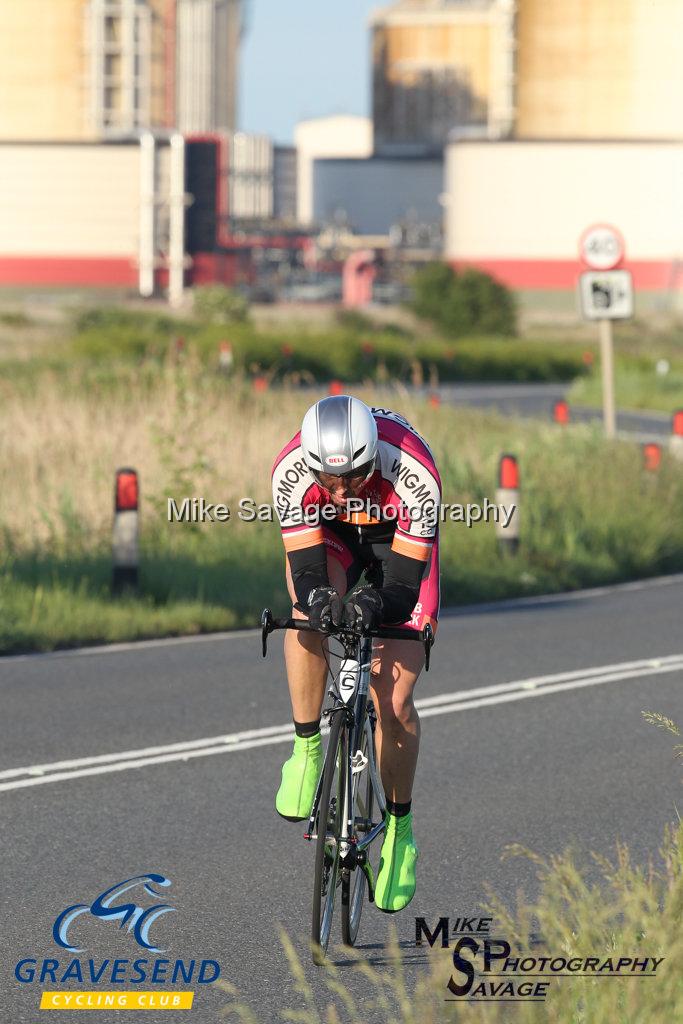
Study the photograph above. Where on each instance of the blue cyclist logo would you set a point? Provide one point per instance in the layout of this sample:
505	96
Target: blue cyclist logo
139	919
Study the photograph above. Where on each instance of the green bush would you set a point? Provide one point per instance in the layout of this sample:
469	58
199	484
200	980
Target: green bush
354	321
105	336
216	304
463	303
12	319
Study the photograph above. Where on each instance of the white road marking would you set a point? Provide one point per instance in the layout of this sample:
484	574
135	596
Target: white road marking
463	700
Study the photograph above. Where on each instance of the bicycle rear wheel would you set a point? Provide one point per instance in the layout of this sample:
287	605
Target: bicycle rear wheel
354	883
329	826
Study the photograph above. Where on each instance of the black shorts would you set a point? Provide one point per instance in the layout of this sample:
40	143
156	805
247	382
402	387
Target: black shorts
360	555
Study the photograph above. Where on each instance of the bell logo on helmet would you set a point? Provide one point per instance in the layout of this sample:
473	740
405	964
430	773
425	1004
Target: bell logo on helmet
337	460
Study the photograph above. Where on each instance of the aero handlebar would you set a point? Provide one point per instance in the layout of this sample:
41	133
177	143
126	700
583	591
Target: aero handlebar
424	636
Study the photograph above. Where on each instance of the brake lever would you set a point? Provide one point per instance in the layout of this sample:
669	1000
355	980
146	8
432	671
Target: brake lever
266	628
428	642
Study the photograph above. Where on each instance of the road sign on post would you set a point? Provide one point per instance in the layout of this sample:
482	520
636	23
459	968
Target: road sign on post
606	294
602	247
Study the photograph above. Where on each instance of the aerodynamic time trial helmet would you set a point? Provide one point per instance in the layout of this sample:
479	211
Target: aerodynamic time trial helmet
339	438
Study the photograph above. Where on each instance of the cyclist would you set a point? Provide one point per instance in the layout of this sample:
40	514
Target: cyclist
345	450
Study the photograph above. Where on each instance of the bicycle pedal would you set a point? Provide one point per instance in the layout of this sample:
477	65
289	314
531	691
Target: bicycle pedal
358	762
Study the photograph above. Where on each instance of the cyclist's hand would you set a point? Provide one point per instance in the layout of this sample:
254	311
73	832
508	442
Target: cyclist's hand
364	609
324	608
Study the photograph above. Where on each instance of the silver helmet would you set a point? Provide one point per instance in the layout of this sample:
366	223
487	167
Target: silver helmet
339	436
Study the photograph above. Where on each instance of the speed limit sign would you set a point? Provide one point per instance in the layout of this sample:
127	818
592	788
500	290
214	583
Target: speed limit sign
601	247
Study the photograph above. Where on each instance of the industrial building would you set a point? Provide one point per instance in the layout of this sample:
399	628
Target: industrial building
518	209
342	136
537	69
116	214
119	160
89	70
594	69
438	65
380	195
597	138
207	38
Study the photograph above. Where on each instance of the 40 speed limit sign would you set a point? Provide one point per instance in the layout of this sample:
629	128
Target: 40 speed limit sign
601	247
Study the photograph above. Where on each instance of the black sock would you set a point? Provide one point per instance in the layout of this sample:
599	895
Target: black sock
307	729
398	810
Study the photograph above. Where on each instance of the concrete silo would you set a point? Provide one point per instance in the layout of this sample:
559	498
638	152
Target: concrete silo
599	69
440	65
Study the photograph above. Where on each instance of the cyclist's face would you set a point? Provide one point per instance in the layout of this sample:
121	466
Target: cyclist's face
343	487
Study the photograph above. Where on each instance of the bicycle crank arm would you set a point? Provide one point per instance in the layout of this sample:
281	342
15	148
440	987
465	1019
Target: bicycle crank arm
366	867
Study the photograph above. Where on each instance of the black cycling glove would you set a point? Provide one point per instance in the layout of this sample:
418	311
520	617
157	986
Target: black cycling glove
324	608
364	609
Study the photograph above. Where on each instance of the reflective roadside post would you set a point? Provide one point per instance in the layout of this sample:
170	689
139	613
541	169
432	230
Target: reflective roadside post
652	456
561	412
125	542
606	294
676	440
507	494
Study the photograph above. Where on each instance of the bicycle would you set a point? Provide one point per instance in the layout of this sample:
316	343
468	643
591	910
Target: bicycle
349	792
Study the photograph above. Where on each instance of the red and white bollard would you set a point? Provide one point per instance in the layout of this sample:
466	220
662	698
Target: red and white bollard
676	440
652	456
507	496
125	543
561	412
225	357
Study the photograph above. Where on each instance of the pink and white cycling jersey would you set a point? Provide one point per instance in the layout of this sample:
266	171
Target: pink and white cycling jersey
399	500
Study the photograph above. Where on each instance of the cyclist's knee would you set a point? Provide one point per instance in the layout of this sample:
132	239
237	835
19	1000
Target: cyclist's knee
394	705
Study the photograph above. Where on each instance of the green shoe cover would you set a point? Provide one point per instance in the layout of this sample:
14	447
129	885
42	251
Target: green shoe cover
395	886
300	776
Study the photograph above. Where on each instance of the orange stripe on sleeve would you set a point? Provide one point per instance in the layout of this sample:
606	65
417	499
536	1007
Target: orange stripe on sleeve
418	549
303	539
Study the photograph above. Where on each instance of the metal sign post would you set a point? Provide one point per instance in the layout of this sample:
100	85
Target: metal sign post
607	296
607	365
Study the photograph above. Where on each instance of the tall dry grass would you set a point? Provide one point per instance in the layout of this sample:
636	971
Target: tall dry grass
186	431
589	513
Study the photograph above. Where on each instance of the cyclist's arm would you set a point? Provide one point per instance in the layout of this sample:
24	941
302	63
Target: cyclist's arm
308	566
413	541
303	541
401	587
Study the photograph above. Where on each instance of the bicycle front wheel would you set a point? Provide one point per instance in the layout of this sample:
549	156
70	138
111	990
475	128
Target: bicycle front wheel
354	883
329	827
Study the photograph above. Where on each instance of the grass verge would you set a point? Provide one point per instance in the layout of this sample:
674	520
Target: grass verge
605	907
589	514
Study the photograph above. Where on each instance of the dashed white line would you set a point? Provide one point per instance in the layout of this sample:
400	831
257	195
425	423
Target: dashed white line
462	700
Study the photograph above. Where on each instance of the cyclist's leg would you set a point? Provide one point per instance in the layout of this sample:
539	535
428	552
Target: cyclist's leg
306	675
396	668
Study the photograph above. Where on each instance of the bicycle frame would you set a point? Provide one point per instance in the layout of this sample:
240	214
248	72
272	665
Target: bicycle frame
350	699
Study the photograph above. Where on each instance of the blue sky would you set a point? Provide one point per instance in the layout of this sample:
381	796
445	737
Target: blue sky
301	59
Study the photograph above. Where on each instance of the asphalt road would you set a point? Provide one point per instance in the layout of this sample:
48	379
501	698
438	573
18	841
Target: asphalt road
563	756
537	400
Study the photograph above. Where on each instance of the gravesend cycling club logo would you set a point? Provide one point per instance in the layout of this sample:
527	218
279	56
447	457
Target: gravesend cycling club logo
135	906
138	919
491	968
